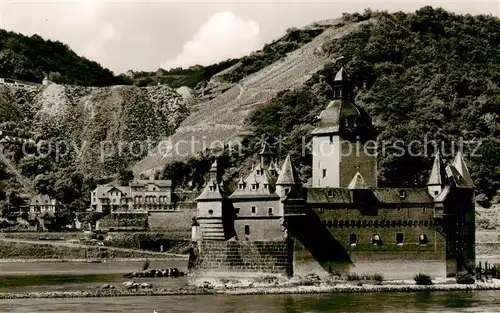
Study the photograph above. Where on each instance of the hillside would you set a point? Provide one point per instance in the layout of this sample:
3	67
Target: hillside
223	117
32	58
429	74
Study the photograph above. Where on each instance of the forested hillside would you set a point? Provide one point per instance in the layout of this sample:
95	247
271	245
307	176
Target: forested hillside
424	76
32	58
430	74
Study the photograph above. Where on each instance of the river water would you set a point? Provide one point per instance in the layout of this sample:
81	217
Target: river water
442	302
44	277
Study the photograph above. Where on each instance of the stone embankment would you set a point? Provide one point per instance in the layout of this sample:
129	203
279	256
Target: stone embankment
169	272
149	291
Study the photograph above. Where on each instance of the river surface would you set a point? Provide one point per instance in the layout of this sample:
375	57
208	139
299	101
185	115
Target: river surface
23	277
46	276
442	302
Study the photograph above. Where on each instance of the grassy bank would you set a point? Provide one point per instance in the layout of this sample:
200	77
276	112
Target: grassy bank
17	250
175	242
48	280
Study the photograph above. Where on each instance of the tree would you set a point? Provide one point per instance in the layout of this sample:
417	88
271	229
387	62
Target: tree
125	176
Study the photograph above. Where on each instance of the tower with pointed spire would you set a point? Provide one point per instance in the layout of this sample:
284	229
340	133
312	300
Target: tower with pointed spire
339	144
211	208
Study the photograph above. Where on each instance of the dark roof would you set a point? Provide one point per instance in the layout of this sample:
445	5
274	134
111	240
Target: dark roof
159	183
393	195
383	195
328	195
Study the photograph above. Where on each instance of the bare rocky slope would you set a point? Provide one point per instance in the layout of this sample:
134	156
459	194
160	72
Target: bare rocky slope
92	121
222	119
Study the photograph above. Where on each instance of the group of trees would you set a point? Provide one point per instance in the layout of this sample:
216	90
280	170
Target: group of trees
31	58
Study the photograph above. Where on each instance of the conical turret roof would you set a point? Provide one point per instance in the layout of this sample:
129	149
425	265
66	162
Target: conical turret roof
438	173
461	167
357	182
288	174
341	75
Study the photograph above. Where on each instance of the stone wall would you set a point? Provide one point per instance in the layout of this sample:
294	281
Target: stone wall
260	229
176	224
243	258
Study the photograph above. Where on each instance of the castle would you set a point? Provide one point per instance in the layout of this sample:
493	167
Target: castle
344	222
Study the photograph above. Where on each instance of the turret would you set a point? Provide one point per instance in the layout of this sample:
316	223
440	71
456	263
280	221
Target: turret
438	178
461	167
264	155
342	87
213	173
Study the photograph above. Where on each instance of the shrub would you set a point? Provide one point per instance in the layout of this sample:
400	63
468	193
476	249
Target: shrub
423	279
465	278
378	277
145	265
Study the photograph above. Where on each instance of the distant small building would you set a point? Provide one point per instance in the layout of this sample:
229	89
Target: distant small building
140	196
42	204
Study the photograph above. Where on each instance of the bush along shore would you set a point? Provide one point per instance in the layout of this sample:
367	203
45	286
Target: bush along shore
111	291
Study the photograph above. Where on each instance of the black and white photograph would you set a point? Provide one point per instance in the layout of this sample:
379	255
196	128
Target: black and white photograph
257	156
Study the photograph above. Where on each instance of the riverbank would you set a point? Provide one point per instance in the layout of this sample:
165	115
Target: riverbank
252	291
165	257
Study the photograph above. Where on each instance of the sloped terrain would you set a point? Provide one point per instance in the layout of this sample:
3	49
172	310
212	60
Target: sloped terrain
223	118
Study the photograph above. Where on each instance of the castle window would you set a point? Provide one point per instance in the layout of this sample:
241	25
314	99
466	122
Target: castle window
403	194
399	239
211	188
376	241
237	211
331	139
436	192
330	192
241	186
254	210
270	211
324	172
353	239
422	238
210	212
265	186
255	186
247	229
259	172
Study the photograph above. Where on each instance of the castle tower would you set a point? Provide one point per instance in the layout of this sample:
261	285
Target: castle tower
437	178
341	141
210	208
459	210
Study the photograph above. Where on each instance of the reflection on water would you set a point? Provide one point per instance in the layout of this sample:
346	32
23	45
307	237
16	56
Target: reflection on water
443	302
